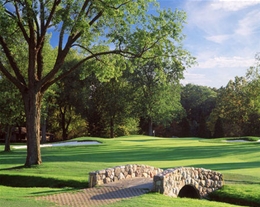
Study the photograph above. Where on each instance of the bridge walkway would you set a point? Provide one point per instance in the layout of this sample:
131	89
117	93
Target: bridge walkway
102	195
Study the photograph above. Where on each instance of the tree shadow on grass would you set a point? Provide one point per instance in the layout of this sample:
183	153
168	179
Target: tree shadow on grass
33	181
14	168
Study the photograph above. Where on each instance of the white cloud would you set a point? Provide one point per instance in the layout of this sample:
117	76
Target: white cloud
249	24
222	17
223	36
233	5
207	77
195	78
227	62
213	77
203	16
218	38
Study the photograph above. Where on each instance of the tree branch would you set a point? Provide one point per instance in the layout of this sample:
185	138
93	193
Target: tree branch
11	60
9	76
17	18
113	7
96	18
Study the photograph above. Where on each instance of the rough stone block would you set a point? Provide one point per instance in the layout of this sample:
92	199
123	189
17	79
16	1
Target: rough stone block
121	176
117	171
145	175
115	179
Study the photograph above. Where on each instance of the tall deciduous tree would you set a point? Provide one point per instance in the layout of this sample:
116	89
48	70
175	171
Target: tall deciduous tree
158	91
198	101
93	27
109	106
253	87
68	95
233	107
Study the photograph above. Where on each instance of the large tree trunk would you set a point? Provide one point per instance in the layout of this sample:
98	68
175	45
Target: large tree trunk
32	101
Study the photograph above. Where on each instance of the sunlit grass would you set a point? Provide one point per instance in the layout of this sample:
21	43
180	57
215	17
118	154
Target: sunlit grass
69	166
155	199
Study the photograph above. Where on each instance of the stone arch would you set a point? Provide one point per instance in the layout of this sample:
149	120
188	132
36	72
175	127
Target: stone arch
172	182
189	191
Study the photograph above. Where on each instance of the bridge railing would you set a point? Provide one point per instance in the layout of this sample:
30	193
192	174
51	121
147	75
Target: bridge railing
122	172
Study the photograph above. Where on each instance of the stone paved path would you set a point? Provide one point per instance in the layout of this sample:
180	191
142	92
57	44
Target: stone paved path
102	195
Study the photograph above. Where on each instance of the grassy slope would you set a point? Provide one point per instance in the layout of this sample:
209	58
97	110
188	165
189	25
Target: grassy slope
69	166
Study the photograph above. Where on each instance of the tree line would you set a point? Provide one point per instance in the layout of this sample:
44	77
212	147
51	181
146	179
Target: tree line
230	111
146	99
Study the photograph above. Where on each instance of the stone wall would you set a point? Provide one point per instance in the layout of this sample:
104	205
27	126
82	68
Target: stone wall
121	172
171	181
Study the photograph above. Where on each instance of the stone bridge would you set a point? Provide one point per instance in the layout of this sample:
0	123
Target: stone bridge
176	182
187	182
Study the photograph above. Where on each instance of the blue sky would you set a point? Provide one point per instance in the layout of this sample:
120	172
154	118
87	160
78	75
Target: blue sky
223	35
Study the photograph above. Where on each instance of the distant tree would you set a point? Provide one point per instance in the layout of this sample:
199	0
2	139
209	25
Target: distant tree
218	129
238	105
253	87
68	101
198	102
110	106
233	107
251	127
157	82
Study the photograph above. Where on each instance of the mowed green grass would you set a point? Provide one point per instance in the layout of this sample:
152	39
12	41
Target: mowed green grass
67	168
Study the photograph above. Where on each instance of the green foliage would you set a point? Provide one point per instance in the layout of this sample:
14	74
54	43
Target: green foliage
11	111
234	107
198	102
65	105
129	127
109	107
156	82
